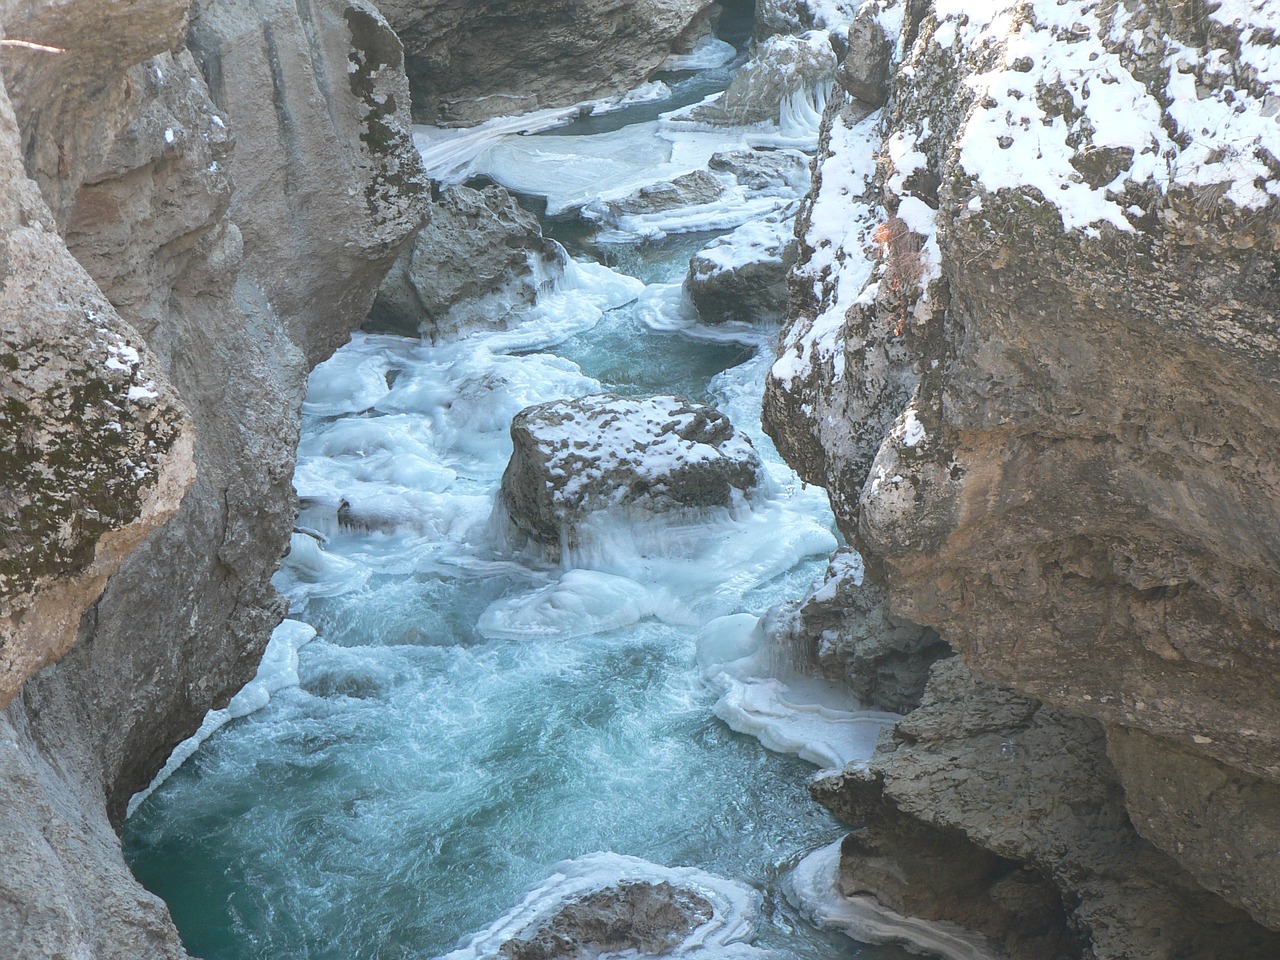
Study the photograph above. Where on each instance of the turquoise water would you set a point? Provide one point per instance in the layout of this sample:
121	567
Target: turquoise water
420	777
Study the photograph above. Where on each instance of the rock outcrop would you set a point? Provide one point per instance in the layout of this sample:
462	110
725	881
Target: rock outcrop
180	334
742	276
479	261
470	61
1034	365
575	458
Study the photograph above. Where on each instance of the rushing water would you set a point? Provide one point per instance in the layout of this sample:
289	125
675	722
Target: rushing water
422	774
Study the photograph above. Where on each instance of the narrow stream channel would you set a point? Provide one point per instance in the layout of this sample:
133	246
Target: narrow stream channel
423	773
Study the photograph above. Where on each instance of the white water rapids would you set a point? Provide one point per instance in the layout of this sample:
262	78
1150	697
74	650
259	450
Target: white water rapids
447	736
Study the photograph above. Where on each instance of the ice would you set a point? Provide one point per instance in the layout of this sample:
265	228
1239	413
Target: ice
707	54
277	671
735	906
348	382
817	720
580	603
652	92
813	888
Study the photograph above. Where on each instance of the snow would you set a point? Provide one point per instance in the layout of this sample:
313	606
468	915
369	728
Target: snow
812	887
840	222
1012	141
139	392
735	906
817	720
909	431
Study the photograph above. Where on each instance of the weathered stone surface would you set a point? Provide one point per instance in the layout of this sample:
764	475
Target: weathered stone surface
686	190
574	458
743	275
864	71
207	295
764	171
1031	785
1222	825
797	16
469	61
479	260
648	918
1079	494
781	68
843	625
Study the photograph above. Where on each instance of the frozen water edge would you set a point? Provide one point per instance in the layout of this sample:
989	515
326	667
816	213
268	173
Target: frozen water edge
815	719
724	936
813	888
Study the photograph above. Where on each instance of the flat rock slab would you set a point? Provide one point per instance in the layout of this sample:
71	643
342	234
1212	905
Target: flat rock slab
573	458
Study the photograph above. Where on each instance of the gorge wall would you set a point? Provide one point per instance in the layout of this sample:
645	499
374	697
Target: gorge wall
1035	364
199	204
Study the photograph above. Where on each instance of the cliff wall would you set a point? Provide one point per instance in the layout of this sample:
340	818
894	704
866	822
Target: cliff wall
198	206
1036	366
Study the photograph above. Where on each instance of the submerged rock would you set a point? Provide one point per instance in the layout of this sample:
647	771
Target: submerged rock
574	458
743	275
480	259
648	918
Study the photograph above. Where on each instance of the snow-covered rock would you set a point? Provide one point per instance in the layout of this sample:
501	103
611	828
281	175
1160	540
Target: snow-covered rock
743	275
574	458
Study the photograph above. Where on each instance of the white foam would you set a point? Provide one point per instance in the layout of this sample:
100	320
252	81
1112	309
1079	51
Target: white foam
580	603
733	922
277	671
813	888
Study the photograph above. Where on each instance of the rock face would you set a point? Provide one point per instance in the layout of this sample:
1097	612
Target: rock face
783	72
743	275
574	458
648	918
843	625
479	260
469	61
188	319
1036	373
976	766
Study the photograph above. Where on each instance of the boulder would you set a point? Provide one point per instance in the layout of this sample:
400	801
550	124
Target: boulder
844	625
743	275
480	259
576	458
765	171
649	919
781	68
687	190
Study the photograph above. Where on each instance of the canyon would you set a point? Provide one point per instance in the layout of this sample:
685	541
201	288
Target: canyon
1029	354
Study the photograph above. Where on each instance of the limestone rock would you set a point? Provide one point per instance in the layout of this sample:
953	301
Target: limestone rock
781	69
1033	786
479	260
864	71
576	458
798	16
764	171
743	275
648	918
844	626
686	190
469	61
191	291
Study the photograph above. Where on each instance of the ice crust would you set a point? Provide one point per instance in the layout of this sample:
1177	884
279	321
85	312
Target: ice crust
817	720
723	937
812	887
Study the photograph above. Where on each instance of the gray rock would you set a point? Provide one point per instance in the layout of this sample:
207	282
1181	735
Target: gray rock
780	67
743	275
1033	786
468	61
478	261
764	171
575	458
227	290
843	625
864	71
687	190
797	16
650	919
